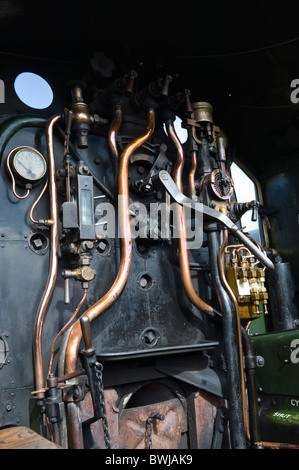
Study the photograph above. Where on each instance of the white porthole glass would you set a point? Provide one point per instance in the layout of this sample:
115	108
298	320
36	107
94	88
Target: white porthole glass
33	90
246	191
181	132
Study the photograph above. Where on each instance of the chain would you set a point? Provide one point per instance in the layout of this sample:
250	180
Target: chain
149	427
99	375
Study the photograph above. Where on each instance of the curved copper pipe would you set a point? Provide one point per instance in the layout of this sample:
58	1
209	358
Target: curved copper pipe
36	202
126	246
42	309
192	189
112	144
63	330
12	176
183	251
42	221
236	305
113	131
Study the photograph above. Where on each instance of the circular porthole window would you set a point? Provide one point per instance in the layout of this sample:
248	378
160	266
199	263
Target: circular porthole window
181	132
33	90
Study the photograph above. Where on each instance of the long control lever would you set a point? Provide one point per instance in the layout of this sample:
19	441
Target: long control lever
164	178
90	363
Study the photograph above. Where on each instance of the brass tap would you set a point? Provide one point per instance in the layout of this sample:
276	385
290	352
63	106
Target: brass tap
81	118
82	274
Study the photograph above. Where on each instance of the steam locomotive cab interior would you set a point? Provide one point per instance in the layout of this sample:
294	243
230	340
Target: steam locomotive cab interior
149	269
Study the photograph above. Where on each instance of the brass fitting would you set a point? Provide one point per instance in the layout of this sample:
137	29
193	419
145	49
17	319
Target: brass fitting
81	119
47	222
261	275
82	274
265	302
263	293
254	295
243	274
220	206
202	112
252	273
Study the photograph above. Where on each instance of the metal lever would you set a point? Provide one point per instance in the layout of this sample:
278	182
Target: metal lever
90	363
164	178
130	83
86	333
67	297
221	155
166	84
255	211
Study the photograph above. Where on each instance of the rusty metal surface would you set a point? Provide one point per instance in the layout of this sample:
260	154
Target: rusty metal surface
112	413
166	434
205	408
127	429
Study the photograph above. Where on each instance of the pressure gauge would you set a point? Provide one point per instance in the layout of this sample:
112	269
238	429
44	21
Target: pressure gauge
28	165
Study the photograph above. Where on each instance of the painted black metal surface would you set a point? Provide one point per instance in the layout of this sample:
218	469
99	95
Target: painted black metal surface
151	317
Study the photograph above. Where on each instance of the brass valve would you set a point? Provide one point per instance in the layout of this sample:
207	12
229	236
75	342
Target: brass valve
246	280
81	118
82	274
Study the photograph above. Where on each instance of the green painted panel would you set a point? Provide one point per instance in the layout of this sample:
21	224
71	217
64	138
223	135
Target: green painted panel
280	373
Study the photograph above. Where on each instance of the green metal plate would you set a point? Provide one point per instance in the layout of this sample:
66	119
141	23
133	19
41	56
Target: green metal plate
280	373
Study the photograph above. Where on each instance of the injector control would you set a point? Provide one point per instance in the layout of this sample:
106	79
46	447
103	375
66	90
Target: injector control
237	209
247	281
152	94
82	274
82	120
85	274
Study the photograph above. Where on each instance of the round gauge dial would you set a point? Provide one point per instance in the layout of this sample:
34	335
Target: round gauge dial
29	165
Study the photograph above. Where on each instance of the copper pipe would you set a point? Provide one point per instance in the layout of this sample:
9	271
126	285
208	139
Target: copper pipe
63	330
275	445
192	189
183	251
42	221
126	246
75	374
12	176
113	131
243	248
238	321
36	202
74	426
112	144
42	309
